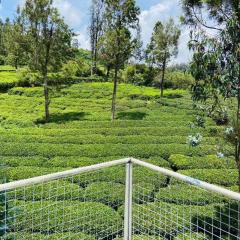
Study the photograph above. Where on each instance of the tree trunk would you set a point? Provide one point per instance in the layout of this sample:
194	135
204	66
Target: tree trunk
163	76
108	71
114	94
237	143
46	96
95	61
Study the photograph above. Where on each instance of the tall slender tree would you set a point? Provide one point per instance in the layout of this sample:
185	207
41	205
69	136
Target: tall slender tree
163	46
96	30
216	59
49	40
117	43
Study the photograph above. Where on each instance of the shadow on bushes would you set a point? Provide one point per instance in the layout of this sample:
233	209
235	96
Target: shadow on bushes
131	115
63	117
173	96
224	222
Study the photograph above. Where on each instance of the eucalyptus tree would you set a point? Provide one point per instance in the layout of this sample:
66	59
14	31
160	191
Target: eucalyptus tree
95	30
49	40
216	60
16	42
117	43
163	46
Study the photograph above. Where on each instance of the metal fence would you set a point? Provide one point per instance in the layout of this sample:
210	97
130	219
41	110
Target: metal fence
123	199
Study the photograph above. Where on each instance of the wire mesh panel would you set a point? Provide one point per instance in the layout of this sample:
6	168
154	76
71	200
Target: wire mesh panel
103	204
78	207
165	208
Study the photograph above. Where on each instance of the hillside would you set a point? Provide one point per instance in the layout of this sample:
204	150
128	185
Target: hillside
80	133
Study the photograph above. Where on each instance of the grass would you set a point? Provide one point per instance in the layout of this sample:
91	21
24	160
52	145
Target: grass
80	133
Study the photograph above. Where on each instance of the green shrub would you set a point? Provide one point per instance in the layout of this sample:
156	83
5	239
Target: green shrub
178	80
224	177
187	194
144	237
24	172
55	190
182	162
189	236
224	221
102	150
57	236
92	218
166	219
27	78
7	80
108	193
143	192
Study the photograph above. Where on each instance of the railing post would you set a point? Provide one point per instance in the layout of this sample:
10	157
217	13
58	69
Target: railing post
128	202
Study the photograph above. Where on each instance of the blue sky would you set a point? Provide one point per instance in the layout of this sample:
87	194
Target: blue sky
76	14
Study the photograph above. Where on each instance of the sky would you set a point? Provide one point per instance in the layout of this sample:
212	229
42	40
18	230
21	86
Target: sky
76	14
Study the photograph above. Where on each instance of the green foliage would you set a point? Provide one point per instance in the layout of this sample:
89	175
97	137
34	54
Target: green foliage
57	190
78	68
179	161
214	176
108	193
143	237
145	215
180	194
56	216
189	236
56	236
178	80
7	80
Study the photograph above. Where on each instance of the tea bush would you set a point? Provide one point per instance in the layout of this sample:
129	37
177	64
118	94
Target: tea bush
187	194
56	236
189	236
182	162
93	218
159	218
214	176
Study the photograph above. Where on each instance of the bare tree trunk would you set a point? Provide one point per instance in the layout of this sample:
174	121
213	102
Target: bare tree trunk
163	76
46	96
114	94
237	144
108	71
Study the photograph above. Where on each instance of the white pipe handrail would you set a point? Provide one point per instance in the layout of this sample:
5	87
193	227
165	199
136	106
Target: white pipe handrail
59	175
190	180
73	172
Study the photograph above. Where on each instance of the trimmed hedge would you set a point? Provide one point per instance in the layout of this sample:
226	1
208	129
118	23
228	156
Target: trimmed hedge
108	193
187	194
144	237
103	150
182	162
53	216
57	236
166	219
224	177
143	192
24	172
191	236
97	139
117	175
55	190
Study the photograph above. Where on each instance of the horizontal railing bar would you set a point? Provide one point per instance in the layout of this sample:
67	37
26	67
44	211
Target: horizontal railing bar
190	180
59	175
73	172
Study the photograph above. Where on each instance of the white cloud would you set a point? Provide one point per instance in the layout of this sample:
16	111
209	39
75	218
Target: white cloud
161	12
83	39
72	16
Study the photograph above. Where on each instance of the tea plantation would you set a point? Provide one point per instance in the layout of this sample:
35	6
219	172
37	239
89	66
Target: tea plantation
80	133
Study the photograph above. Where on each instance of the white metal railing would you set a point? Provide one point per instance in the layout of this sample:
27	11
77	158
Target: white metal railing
147	214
